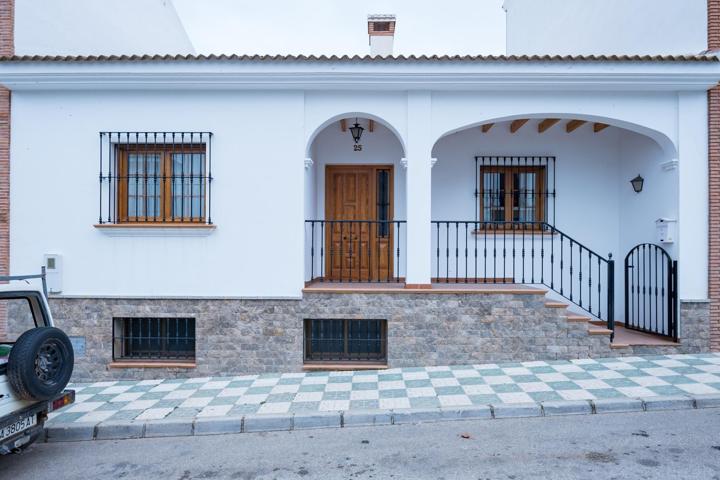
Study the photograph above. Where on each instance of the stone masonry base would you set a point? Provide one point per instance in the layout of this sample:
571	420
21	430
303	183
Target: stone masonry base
235	337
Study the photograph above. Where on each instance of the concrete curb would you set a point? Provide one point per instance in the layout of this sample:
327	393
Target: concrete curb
75	432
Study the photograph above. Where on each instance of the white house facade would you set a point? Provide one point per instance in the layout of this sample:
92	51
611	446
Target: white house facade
213	214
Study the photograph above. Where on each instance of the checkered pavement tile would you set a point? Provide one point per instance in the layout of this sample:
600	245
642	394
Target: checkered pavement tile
397	388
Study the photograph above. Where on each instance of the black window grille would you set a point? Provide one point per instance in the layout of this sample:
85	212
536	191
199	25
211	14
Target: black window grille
153	338
514	190
381	26
156	177
345	340
383	202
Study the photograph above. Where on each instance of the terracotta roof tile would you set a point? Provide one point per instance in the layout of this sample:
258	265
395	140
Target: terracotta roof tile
361	58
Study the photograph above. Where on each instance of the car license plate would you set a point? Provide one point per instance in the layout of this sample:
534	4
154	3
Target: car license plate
17	427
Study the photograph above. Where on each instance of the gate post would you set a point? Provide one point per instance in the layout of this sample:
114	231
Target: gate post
611	296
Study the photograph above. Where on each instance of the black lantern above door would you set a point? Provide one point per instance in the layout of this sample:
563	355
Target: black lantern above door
356	131
637	183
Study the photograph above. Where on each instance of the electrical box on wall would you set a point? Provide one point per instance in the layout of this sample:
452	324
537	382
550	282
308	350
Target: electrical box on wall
53	270
666	229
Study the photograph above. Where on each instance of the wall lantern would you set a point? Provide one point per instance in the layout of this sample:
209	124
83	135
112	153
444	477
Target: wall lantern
637	183
356	131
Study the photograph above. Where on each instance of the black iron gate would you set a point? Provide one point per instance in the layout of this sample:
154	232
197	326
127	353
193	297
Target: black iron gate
651	291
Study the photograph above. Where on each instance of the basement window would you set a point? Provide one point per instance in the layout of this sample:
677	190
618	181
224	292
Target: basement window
154	339
345	340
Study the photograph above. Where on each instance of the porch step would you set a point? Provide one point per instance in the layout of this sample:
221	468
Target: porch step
578	319
556	305
595	330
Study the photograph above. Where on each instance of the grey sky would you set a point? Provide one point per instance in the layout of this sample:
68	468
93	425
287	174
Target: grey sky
339	26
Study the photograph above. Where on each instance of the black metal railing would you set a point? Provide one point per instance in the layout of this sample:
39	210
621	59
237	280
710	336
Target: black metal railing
345	340
526	253
355	250
651	291
148	338
155	177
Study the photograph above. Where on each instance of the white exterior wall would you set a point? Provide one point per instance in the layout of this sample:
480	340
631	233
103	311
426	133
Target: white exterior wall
99	27
262	191
584	27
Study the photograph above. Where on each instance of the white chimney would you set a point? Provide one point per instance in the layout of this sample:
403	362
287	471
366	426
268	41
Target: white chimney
381	29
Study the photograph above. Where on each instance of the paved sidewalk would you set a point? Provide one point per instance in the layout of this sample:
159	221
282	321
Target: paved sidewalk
498	385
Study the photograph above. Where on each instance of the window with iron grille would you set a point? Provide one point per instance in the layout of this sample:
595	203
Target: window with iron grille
514	191
345	340
155	177
145	338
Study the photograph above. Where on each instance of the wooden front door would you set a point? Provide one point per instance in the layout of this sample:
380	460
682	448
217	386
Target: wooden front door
358	247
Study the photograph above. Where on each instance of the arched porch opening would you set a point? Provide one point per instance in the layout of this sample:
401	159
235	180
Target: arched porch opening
355	202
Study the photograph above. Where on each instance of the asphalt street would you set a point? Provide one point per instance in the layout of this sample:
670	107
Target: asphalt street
663	445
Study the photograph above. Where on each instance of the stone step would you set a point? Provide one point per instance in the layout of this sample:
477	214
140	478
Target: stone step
577	318
556	305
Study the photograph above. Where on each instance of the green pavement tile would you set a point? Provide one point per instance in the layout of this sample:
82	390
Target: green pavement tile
563	385
579	376
643	364
67	417
620	382
454	390
223	401
714	385
304	406
667	390
238	410
484	399
102	397
686	370
316	374
424	402
184	413
455	368
110	406
240	383
393	377
126	382
593	367
523	378
210	393
189	386
269	375
93	390
632	373
492	372
418	383
399	393
153	396
289	381
336	396
444	374
544	396
366	373
541	370
259	390
172	403
124	415
677	379
467	381
280	397
364	404
510	365
694	361
606	393
558	362
506	388
315	388
343	379
174	380
140	388
364	386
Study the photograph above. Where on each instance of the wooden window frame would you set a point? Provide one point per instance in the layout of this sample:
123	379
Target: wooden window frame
540	188
165	183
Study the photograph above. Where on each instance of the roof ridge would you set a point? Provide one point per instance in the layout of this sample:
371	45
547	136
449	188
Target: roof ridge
701	57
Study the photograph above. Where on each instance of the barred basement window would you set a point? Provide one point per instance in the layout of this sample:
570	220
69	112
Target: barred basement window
146	338
155	177
345	340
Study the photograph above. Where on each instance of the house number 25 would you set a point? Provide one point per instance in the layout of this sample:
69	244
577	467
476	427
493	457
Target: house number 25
357	147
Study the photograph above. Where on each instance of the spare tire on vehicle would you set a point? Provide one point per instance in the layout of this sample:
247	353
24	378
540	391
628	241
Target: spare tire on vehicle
40	363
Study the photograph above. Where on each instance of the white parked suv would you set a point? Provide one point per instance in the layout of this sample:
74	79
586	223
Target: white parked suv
36	362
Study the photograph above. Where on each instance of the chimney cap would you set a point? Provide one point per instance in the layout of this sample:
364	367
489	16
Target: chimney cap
380	24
